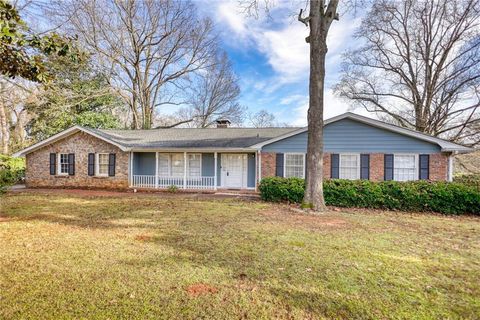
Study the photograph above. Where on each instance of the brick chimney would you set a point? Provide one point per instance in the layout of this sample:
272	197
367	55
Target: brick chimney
223	123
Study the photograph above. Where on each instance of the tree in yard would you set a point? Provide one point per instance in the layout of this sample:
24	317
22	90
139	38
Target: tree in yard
22	51
22	55
148	48
320	17
419	66
79	95
212	95
262	119
14	94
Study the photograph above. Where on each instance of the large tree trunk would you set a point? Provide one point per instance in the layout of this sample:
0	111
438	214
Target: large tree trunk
4	129
318	50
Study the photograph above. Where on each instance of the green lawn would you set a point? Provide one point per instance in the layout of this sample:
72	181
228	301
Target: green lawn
162	256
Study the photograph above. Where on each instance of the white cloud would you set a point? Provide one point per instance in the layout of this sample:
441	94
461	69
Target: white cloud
333	107
228	13
282	42
292	98
286	51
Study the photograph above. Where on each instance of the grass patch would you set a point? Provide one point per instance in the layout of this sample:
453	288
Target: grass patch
164	257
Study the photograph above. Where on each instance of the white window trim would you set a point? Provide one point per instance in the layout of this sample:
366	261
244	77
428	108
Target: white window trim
169	163
285	163
416	164
59	165
97	164
340	164
188	164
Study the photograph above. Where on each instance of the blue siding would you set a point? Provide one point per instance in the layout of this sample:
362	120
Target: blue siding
144	163
208	165
351	136
251	171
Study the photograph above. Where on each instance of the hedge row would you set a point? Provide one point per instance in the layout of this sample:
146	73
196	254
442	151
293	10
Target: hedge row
443	197
469	180
11	170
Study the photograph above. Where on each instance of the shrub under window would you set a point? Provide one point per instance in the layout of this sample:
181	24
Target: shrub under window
444	197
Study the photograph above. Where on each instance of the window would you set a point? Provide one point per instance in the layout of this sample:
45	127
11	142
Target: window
405	167
194	165
102	164
177	164
294	165
349	166
163	165
63	163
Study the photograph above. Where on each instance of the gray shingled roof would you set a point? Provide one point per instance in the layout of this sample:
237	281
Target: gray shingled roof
192	138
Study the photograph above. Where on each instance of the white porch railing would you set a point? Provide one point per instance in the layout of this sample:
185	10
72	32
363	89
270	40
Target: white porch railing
148	181
143	181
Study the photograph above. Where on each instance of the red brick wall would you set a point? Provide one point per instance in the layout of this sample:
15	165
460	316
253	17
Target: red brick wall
438	167
326	165
268	161
38	164
377	167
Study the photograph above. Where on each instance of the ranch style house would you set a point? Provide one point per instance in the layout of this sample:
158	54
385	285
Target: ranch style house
356	147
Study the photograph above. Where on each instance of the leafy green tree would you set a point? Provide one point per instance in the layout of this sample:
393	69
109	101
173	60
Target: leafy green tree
22	52
79	95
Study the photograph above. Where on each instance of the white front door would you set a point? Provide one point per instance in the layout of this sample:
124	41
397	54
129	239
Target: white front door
234	170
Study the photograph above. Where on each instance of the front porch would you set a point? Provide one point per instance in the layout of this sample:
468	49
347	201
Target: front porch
192	170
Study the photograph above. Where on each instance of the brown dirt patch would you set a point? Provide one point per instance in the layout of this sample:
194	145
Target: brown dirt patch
143	238
298	217
198	289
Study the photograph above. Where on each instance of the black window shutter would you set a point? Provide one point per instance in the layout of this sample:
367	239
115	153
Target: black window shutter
111	164
279	165
71	164
424	167
388	167
365	166
91	164
335	166
53	163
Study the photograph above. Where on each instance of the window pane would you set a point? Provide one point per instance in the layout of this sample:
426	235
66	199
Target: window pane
194	165
163	169
349	166
103	163
177	165
64	163
404	168
294	165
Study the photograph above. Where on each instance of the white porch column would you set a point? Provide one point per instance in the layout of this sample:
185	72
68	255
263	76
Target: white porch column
184	170
215	171
130	170
259	166
156	170
450	167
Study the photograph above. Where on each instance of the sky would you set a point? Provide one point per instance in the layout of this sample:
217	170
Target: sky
271	58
